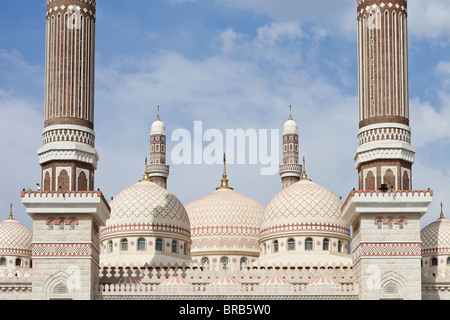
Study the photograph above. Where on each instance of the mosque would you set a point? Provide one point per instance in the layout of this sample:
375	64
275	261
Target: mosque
305	244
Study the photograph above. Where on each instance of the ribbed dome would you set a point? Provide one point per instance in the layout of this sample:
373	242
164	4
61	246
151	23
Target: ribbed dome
436	237
15	238
324	281
147	206
225	220
299	207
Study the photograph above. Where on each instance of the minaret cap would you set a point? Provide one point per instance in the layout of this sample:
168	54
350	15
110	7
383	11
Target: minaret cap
442	213
158	127
290	127
224	184
10	213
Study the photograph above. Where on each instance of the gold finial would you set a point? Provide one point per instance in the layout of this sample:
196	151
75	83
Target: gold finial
224	184
146	177
290	113
442	213
157	117
10	213
304	175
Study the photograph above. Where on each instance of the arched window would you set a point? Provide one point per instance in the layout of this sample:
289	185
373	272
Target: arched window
380	224
448	261
205	262
340	246
174	246
141	244
401	224
391	224
61	225
18	262
224	261
244	263
124	245
434	262
51	225
275	246
72	225
159	245
326	244
110	246
308	244
291	244
264	248
185	249
2	262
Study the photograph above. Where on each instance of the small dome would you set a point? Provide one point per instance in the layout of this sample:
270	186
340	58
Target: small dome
15	238
436	237
274	281
290	127
225	281
149	205
324	281
225	221
300	204
175	281
158	127
127	280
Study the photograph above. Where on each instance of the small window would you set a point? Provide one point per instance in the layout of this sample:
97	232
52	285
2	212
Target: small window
72	225
174	246
326	244
51	225
380	224
61	225
308	244
224	261
401	224
291	245
185	249
448	261
264	248
2	262
159	245
275	246
124	245
434	262
244	263
391	224
110	246
18	262
141	244
205	262
340	246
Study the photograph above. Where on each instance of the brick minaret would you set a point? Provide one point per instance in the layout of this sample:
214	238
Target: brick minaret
384	154
68	157
158	171
290	170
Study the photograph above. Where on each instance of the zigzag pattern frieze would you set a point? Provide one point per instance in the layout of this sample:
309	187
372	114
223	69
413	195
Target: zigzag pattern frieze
384	134
226	243
225	230
390	250
69	135
62	250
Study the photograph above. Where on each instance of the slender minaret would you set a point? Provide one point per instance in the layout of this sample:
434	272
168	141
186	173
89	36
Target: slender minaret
68	157
384	155
290	170
158	171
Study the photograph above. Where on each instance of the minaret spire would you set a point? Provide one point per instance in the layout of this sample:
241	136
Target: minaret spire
442	213
290	112
224	184
157	117
304	175
10	212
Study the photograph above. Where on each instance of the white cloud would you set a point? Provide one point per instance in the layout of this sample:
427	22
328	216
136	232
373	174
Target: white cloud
428	19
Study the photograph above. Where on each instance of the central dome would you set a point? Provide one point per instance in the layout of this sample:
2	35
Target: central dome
225	221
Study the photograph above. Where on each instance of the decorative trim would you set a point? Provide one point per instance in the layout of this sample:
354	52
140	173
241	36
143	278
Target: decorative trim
305	227
384	249
144	227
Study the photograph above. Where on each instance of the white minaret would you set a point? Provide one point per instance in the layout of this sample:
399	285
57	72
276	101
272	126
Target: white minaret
290	170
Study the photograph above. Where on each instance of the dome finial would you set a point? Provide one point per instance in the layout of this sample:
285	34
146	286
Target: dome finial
10	212
304	175
146	177
157	117
224	184
442	213
290	112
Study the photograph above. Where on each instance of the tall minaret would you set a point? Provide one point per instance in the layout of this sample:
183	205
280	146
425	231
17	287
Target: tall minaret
384	154
68	157
290	170
158	171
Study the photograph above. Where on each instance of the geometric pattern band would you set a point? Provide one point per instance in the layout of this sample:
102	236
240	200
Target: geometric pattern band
62	250
388	250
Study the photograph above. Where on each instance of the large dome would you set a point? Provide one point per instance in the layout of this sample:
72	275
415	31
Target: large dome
303	206
147	206
15	238
225	221
436	237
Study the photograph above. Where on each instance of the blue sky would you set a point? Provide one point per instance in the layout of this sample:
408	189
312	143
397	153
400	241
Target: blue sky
231	64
